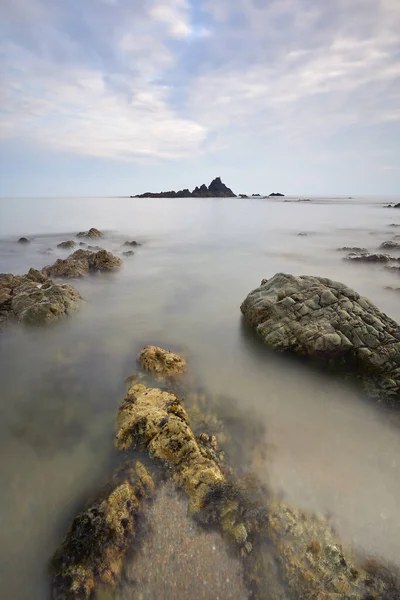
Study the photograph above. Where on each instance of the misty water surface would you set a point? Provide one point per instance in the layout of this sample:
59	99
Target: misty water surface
329	449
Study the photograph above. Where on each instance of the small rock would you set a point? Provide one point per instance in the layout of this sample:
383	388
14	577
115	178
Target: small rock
132	243
369	258
92	233
162	363
352	249
390	245
68	244
83	262
128	253
23	240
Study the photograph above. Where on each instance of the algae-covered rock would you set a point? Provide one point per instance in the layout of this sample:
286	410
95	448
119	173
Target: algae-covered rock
93	551
331	324
315	565
34	300
83	262
162	364
93	233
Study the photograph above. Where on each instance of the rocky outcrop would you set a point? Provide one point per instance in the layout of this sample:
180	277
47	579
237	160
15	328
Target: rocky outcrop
92	555
276	194
312	562
23	240
331	324
353	249
216	189
83	262
132	244
67	245
370	258
93	233
34	300
162	364
390	245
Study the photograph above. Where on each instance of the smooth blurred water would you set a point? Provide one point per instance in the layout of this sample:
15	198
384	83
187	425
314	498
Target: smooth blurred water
330	450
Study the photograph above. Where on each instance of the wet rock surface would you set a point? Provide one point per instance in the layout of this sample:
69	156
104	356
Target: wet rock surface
162	364
331	324
34	300
83	262
92	555
93	233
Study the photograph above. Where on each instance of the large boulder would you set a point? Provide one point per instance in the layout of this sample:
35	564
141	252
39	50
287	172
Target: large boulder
34	300
329	323
83	262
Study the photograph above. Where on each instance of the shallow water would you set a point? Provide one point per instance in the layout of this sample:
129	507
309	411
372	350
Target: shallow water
329	449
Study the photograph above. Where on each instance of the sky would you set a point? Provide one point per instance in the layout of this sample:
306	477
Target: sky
118	97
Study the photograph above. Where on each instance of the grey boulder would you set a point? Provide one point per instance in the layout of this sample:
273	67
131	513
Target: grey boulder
331	324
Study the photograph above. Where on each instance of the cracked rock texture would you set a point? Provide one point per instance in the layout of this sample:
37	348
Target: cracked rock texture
328	322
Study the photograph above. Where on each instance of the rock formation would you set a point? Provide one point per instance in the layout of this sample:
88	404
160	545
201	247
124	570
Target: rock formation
133	243
92	554
67	245
276	194
370	258
83	262
23	240
331	324
390	245
353	249
216	189
34	300
93	233
162	364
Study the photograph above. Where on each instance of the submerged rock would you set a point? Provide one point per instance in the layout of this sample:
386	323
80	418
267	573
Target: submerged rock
162	364
328	322
132	243
33	299
67	244
370	258
93	552
83	262
353	249
312	562
92	233
23	240
390	245
315	565
128	253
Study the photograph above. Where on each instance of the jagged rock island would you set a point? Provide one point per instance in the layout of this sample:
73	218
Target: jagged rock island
216	189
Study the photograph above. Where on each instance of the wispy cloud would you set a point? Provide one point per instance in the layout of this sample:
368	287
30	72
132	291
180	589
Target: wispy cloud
130	79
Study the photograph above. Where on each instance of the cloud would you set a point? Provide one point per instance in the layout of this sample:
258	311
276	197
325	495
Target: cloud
162	79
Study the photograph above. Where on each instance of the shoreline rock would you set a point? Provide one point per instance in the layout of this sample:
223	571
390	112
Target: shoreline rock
33	299
370	258
81	263
332	325
93	233
216	189
92	554
163	365
68	244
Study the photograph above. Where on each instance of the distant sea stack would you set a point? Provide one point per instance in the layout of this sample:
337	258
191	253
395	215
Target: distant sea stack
216	189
